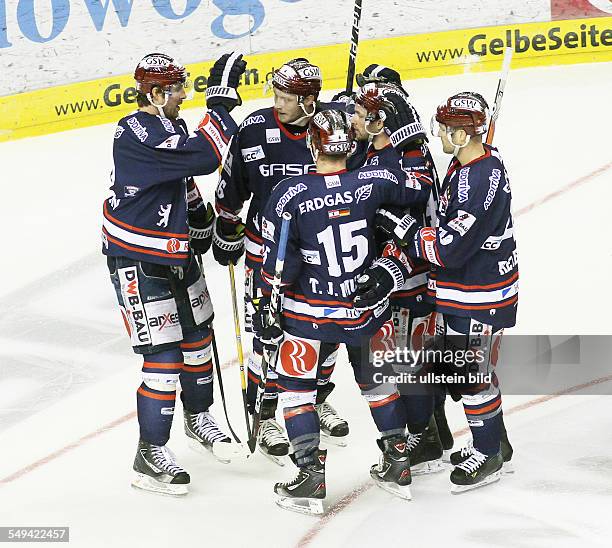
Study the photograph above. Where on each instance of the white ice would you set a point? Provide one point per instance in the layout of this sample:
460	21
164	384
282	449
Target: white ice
67	370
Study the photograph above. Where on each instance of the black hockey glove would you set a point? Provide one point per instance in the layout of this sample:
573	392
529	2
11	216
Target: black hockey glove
267	330
201	224
402	122
343	97
228	241
379	73
224	80
386	275
397	223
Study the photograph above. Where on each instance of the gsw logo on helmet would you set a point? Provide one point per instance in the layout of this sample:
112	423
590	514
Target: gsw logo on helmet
467	110
330	132
158	69
298	77
372	97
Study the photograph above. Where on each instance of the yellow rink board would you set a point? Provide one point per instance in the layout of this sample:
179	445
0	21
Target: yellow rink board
105	100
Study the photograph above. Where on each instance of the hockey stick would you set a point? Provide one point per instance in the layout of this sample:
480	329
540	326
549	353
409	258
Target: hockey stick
269	354
217	362
243	384
499	94
354	43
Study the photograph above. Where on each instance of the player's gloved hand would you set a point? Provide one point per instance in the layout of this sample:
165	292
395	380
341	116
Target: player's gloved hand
386	275
201	223
401	121
267	329
379	73
343	97
228	241
397	223
224	80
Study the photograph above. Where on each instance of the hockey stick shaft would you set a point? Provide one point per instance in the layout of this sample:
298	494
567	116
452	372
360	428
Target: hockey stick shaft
269	354
350	76
243	384
217	362
499	94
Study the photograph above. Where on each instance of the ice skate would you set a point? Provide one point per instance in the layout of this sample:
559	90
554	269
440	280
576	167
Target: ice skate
272	441
392	473
157	470
205	436
305	493
425	451
458	457
477	470
334	429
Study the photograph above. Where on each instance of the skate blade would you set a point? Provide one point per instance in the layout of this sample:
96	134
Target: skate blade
308	506
222	452
147	483
278	460
491	478
446	455
428	467
508	468
401	491
339	441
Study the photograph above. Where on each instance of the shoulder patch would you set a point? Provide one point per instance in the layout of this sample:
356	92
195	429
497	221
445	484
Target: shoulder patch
291	192
251	120
139	130
252	154
463	185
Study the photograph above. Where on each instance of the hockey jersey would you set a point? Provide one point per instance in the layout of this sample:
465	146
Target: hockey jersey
472	244
420	171
154	157
331	243
264	152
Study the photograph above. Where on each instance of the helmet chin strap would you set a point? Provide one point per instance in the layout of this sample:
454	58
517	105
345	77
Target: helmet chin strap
302	120
160	108
372	133
457	147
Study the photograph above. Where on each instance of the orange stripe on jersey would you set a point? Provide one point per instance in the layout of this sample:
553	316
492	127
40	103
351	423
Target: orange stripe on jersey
299	411
502	304
318	321
317	301
507	281
483	410
166	255
165	397
196	344
387	400
155	365
253	377
141	230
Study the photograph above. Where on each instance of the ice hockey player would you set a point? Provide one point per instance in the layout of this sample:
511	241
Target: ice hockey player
331	243
270	146
153	223
476	278
411	307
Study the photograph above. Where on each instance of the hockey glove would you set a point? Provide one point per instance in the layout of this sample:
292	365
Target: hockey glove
379	73
224	80
201	224
398	224
343	97
228	241
402	122
386	275
266	328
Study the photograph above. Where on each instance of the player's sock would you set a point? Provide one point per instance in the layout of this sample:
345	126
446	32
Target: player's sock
197	377
483	415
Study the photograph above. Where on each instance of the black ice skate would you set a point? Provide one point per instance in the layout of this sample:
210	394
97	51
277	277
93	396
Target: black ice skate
392	473
306	492
157	471
205	436
446	436
272	442
477	470
425	451
506	450
333	428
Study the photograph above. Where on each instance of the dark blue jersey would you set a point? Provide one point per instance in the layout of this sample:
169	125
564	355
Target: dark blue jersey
154	159
420	171
264	152
331	243
473	245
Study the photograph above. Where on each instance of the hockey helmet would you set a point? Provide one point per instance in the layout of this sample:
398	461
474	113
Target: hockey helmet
466	110
158	69
330	133
298	77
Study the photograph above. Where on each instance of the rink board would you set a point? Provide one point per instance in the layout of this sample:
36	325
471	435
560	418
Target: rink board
416	56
